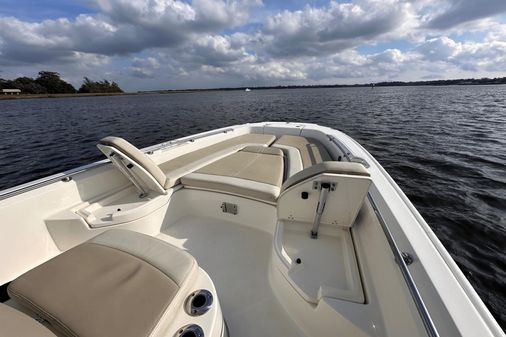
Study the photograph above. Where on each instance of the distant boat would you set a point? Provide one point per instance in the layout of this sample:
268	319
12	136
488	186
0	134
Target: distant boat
247	89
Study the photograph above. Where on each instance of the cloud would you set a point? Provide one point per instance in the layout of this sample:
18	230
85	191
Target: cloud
204	13
121	28
456	12
366	68
53	41
176	43
212	14
144	67
439	49
325	30
489	55
216	51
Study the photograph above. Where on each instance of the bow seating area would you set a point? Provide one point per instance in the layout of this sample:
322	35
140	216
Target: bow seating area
103	269
252	165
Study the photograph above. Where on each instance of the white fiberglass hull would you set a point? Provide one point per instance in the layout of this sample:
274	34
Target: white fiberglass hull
398	278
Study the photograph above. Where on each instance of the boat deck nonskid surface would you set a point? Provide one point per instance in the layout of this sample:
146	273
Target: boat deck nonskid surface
327	262
237	259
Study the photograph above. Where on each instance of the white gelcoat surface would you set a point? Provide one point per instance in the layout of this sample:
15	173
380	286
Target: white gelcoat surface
237	259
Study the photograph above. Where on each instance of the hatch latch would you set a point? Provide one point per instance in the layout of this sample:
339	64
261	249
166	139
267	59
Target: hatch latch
228	207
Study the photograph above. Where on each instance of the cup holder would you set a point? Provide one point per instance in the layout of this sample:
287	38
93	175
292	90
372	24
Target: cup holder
199	302
192	330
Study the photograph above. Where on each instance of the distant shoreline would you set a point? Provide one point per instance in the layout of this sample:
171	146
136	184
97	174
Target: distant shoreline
467	81
460	82
169	91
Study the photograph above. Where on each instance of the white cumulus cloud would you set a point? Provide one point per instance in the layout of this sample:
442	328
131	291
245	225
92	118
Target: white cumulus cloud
205	43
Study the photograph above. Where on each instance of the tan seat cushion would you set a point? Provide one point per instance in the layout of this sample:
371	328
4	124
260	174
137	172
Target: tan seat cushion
311	151
14	323
136	155
167	174
120	283
254	172
176	168
333	167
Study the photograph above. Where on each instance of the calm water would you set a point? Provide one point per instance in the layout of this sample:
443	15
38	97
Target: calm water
445	147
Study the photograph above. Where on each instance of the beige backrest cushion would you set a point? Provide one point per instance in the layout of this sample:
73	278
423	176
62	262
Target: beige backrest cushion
136	155
311	151
14	323
333	167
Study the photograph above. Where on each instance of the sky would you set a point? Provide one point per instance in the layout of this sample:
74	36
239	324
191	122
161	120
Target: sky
176	44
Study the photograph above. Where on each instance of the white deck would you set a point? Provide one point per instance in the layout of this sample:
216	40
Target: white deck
328	265
237	259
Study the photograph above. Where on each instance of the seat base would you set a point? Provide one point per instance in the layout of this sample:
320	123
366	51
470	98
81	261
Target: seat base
120	283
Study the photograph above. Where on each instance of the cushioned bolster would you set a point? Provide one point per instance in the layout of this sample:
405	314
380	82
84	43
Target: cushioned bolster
231	185
293	159
94	290
172	261
332	167
136	155
311	151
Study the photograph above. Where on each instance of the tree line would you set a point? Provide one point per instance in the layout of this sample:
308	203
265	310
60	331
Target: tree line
50	82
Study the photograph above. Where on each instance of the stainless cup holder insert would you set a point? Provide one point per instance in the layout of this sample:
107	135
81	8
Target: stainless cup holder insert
192	330
199	302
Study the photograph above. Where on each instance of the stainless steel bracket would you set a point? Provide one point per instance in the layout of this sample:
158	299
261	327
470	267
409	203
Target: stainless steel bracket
228	207
324	188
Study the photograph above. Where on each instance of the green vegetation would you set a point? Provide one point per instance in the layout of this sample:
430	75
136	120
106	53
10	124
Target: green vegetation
49	82
25	84
53	83
90	86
